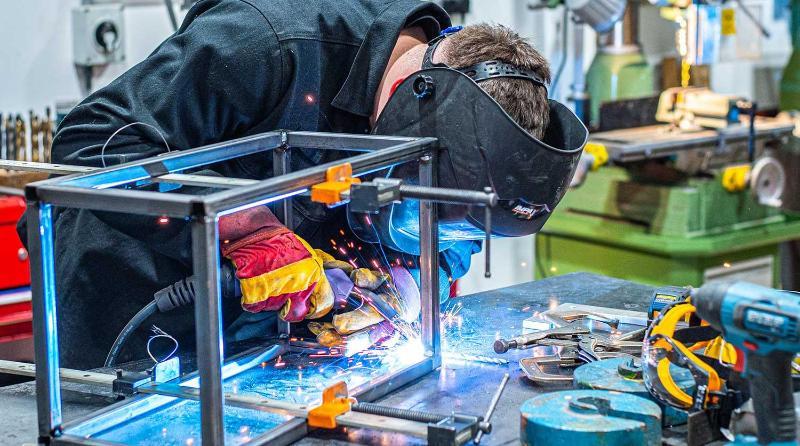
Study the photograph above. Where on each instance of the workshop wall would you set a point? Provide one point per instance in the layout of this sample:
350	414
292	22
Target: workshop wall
36	66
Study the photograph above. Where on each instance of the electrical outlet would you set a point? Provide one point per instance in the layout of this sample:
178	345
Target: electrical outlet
98	34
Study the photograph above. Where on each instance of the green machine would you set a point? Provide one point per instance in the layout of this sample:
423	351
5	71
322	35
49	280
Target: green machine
675	207
790	82
619	69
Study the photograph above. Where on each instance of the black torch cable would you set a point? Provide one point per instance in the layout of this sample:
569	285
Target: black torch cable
135	322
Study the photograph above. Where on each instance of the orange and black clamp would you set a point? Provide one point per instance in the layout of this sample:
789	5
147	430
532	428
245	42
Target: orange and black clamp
370	197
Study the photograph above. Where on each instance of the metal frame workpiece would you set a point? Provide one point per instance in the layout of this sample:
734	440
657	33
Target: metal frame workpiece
117	189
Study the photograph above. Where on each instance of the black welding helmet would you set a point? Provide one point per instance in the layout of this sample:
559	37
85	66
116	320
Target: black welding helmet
480	146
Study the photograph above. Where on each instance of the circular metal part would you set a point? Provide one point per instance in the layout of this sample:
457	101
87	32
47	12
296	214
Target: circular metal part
590	418
423	86
630	369
601	15
22	254
768	181
501	346
608	375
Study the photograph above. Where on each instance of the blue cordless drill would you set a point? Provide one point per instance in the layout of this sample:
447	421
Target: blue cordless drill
764	323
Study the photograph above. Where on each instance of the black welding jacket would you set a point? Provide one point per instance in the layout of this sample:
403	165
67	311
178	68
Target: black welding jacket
234	68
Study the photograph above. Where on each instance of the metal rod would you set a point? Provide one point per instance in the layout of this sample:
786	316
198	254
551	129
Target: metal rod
171	13
176	178
45	329
281	159
68	375
203	181
394	412
763	29
429	261
281	165
444	195
353	142
487	229
55	169
493	405
174	161
208	321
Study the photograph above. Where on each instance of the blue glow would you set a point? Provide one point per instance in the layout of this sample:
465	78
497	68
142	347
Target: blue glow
49	311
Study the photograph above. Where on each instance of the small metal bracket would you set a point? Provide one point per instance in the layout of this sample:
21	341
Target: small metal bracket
335	189
335	402
167	370
127	382
371	197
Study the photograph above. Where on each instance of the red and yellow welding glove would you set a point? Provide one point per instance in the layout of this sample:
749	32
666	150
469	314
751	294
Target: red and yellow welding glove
276	268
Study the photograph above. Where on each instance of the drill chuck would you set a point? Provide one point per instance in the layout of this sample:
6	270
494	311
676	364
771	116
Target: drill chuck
708	300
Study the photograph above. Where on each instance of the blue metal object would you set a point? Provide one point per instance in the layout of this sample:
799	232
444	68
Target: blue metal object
605	375
590	418
765	324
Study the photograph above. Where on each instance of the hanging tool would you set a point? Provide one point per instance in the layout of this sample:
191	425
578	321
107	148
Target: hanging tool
36	128
21	143
47	136
590	418
765	324
11	138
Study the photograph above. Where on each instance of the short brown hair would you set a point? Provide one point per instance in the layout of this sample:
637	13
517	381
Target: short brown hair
523	100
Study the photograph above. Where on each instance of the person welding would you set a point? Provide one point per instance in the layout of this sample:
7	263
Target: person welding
237	68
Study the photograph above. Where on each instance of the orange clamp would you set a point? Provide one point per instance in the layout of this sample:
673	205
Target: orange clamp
337	180
335	402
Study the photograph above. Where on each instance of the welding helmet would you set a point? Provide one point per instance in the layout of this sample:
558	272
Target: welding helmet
678	340
480	146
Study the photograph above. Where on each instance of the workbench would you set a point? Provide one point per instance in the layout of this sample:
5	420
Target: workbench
460	385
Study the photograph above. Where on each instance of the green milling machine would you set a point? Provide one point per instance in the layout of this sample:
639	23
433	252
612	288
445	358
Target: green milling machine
675	207
679	207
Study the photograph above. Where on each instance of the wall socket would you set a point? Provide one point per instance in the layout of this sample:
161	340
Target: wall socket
98	34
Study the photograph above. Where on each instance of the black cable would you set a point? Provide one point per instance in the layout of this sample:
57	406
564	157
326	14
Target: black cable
179	294
135	322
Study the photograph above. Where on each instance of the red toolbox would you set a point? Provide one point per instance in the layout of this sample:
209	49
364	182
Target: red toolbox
16	332
15	271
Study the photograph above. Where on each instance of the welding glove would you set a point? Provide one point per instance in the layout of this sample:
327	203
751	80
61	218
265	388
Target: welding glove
276	268
397	289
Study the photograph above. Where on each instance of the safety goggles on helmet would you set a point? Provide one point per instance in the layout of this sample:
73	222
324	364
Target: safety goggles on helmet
672	346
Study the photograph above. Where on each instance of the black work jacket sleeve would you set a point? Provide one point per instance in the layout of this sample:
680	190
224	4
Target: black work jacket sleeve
196	88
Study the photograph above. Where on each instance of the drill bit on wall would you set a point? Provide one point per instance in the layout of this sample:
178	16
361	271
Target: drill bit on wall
26	138
11	137
2	136
36	129
48	130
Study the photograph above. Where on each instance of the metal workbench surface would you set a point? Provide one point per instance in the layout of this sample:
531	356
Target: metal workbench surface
461	386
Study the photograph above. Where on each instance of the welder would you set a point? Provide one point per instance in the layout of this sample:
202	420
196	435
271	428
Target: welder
237	68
